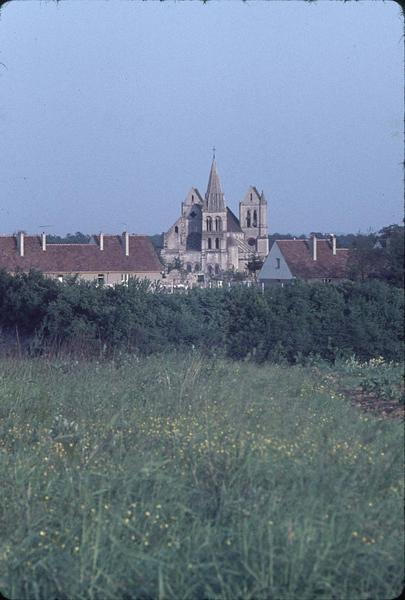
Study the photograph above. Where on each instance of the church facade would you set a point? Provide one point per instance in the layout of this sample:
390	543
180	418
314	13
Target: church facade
209	238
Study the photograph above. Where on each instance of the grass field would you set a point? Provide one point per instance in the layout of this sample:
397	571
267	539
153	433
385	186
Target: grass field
183	477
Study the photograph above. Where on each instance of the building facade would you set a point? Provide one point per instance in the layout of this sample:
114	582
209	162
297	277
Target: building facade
308	260
208	238
107	259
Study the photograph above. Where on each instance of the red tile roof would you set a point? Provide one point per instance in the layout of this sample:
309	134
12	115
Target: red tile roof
298	255
80	258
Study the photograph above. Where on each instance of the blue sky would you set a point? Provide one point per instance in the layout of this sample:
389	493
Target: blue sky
109	112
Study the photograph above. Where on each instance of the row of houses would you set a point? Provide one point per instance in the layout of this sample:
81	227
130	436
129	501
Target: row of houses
113	259
108	259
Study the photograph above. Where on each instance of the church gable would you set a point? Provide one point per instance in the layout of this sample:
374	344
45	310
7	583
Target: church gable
173	237
252	196
193	197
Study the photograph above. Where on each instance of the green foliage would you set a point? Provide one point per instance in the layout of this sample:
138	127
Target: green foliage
254	265
392	238
385	380
157	241
70	238
290	323
183	477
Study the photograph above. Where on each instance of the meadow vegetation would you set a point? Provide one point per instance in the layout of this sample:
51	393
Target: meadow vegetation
187	476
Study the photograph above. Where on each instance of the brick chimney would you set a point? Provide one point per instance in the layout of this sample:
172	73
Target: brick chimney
101	241
43	241
20	243
333	240
126	242
314	248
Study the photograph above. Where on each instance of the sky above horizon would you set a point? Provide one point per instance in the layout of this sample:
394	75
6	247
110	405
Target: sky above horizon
109	112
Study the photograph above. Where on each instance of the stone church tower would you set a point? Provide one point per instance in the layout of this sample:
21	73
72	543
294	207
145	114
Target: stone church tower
208	238
214	226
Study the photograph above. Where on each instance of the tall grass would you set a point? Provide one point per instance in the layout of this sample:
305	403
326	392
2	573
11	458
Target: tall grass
183	477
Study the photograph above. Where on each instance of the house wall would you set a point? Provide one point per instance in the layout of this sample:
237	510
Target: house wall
269	271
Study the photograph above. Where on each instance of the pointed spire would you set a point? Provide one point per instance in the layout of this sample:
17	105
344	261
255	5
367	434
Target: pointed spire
214	196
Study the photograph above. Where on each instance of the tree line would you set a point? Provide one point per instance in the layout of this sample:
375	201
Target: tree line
39	315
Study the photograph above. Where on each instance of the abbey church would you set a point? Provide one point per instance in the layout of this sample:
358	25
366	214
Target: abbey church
208	237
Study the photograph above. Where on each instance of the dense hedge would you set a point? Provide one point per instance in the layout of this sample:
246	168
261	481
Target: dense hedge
290	323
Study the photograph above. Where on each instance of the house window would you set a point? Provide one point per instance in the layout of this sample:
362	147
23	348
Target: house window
209	243
255	218
124	277
217	243
248	219
100	279
209	224
277	263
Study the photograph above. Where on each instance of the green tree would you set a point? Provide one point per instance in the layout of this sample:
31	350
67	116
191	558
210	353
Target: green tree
392	240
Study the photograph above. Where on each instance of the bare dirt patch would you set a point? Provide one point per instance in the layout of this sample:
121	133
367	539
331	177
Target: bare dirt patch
373	404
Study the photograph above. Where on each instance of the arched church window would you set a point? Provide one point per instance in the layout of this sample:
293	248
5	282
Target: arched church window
218	224
209	244
217	243
196	267
209	269
248	219
176	229
209	224
189	268
216	269
251	197
255	218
